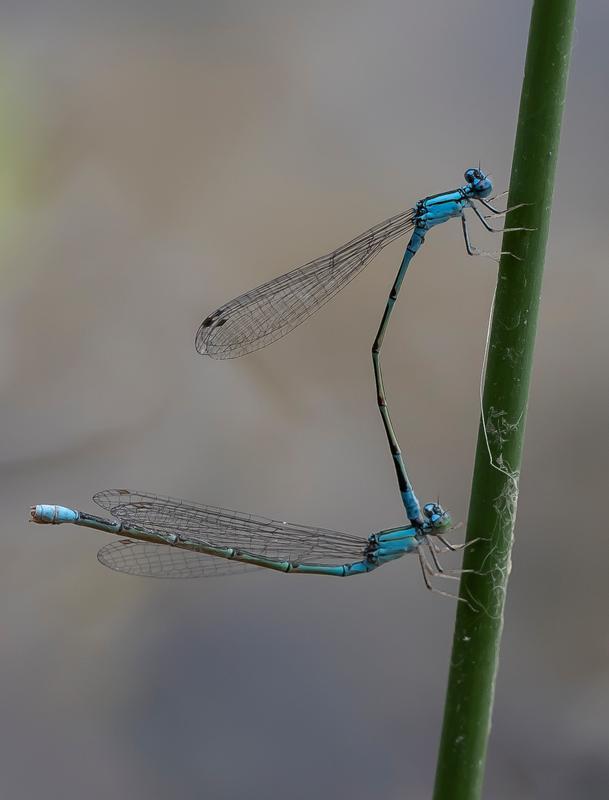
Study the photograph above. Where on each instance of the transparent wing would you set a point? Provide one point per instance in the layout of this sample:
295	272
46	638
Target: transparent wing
280	541
265	314
161	561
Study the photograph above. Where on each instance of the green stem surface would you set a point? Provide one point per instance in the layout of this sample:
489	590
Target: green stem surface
492	511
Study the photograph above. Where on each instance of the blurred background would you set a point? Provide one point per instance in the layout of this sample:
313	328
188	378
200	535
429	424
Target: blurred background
158	159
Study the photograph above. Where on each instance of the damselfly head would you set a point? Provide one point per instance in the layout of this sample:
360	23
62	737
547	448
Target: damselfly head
436	518
479	184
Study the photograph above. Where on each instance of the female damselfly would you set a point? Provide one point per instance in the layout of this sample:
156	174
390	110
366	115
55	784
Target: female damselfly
163	537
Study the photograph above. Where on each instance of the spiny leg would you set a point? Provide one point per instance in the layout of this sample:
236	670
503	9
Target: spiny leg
411	503
474	251
440	571
427	573
504	193
490	227
492	208
455	547
431	539
498	213
449	547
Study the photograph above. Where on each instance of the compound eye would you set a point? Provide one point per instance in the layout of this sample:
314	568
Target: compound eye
432	511
473	175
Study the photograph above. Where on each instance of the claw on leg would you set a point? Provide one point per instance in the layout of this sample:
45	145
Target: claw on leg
439	591
454	547
495	256
498	213
426	575
429	573
474	251
490	228
497	197
440	571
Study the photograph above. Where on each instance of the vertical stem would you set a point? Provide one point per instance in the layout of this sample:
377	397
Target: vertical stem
492	512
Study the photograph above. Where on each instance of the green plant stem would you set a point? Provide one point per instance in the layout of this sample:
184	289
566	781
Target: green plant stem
492	512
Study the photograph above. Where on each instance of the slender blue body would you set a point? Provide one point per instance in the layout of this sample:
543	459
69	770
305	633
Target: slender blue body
380	548
429	212
167	530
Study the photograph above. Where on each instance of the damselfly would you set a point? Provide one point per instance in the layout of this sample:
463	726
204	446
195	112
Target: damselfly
169	538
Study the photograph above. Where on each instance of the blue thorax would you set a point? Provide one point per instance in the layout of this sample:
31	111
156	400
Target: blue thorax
438	208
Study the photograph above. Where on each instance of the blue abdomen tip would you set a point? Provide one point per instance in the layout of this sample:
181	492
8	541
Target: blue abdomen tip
53	514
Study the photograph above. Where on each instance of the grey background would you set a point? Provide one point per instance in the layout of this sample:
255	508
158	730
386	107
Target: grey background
159	159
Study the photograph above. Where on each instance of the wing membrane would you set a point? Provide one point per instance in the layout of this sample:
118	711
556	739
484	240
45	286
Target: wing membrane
161	561
224	528
261	316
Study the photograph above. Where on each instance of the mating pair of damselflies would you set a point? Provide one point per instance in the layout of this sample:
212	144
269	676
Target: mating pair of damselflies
170	538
